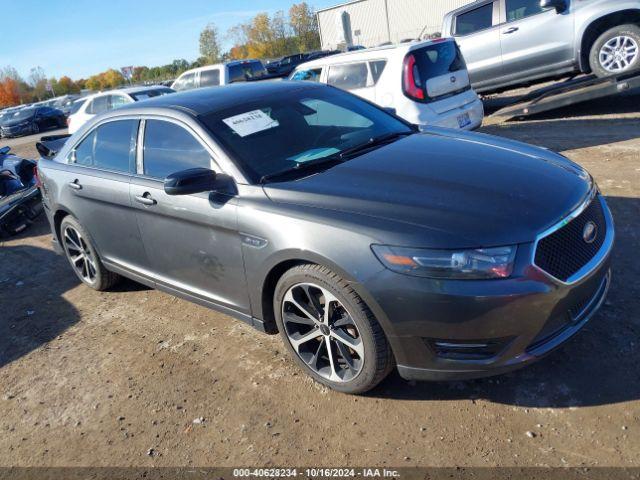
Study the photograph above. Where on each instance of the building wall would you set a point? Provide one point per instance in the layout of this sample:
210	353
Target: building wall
379	21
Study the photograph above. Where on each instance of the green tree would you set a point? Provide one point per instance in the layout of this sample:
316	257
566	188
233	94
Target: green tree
209	44
304	24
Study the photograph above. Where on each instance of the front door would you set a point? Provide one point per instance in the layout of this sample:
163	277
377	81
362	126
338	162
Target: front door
477	33
191	241
535	41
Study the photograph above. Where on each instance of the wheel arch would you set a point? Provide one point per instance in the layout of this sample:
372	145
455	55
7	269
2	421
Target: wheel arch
286	260
600	25
58	216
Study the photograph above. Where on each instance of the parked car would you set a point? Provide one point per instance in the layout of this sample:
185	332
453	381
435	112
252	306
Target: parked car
286	65
66	103
303	209
20	200
321	54
27	121
425	82
220	74
99	103
511	42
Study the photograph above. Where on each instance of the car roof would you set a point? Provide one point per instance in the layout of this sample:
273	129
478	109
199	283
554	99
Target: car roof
126	91
202	101
220	65
370	53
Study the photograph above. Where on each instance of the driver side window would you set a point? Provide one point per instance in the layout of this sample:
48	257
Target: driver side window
519	9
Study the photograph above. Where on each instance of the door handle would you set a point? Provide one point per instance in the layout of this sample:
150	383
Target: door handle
145	199
511	30
75	185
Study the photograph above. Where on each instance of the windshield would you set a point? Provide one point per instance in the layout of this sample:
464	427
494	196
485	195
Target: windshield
137	96
76	105
22	114
285	130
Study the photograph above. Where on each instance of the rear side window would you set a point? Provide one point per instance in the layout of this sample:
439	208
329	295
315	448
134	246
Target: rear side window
111	146
475	20
186	82
348	76
519	9
169	148
76	106
118	101
310	75
377	68
98	105
210	78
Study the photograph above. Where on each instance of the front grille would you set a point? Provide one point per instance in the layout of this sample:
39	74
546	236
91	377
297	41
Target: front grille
564	252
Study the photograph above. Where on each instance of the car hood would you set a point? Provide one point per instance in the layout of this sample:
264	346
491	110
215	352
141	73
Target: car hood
13	123
455	189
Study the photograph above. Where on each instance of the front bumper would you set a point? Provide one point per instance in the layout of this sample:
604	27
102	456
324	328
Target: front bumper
462	329
17	131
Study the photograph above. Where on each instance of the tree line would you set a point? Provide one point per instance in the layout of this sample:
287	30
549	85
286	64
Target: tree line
264	36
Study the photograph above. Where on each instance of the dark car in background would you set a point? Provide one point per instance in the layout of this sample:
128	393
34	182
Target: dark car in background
30	120
20	200
365	242
286	65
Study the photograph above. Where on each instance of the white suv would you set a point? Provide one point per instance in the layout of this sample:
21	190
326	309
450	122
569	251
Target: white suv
219	74
426	83
105	101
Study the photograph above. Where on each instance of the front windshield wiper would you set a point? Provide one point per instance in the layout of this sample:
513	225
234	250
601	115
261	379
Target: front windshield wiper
304	168
372	143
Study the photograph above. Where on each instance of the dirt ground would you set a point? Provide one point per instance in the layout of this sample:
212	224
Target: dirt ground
118	378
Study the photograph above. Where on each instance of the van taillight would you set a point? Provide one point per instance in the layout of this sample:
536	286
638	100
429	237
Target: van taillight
37	176
411	88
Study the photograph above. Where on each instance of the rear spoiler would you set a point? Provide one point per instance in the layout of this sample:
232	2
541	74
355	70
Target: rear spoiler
48	147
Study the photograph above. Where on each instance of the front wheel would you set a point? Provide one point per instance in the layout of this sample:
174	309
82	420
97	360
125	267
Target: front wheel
616	51
329	330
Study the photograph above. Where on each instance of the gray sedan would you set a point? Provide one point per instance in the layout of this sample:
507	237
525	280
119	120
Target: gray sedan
367	244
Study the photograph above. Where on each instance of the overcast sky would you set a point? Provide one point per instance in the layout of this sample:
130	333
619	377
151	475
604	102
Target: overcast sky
84	37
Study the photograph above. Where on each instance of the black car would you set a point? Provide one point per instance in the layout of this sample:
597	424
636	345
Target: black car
286	65
20	199
32	120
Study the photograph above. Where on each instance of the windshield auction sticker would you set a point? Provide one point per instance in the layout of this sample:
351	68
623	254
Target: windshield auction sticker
249	123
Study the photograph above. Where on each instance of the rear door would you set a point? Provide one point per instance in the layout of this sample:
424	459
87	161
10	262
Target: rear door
477	32
191	241
535	41
210	78
353	77
96	189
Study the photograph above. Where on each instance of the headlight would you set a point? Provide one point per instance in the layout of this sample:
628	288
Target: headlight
458	264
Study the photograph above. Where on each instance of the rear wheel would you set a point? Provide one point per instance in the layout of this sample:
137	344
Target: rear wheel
83	257
616	51
329	330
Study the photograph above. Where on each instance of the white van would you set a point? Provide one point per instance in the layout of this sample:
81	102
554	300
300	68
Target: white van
219	74
426	82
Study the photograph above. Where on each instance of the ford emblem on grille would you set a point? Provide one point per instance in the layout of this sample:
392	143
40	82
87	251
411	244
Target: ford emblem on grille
589	232
454	79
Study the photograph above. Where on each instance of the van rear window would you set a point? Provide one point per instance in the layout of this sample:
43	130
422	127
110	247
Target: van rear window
438	59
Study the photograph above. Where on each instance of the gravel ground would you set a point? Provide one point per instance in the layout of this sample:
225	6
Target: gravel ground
137	377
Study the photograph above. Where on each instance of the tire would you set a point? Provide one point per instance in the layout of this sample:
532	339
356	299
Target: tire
606	58
357	369
83	257
35	128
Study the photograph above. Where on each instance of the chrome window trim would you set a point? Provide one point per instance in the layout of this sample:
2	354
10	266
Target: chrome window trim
598	258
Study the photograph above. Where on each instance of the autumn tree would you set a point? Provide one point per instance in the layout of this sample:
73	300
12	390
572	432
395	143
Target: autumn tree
9	92
209	45
304	24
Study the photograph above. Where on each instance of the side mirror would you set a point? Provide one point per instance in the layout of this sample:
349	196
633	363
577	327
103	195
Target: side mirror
193	180
560	5
5	150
